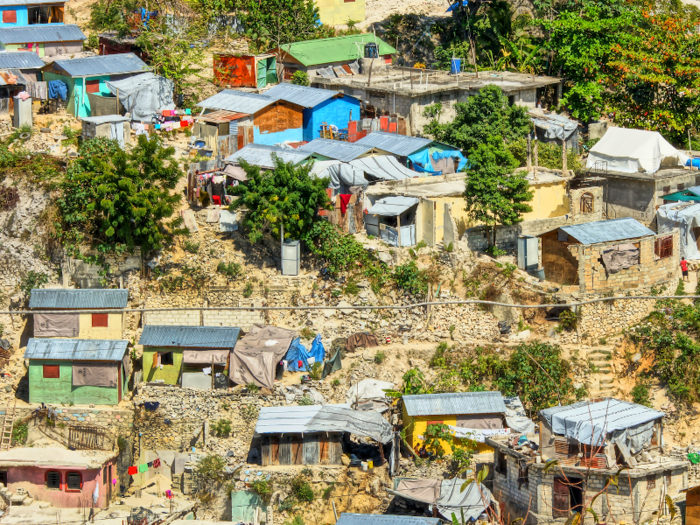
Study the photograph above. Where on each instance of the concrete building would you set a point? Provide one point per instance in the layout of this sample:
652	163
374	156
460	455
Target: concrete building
406	92
77	371
78	325
335	57
17	13
607	256
591	441
63	478
189	356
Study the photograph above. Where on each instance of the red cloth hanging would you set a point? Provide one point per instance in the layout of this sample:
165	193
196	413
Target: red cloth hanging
344	201
216	199
156	463
133	470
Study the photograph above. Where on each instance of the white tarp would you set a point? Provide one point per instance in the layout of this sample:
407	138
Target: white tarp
369	393
516	416
447	495
478	434
384	167
635	150
340	173
392	206
554	126
143	95
686	217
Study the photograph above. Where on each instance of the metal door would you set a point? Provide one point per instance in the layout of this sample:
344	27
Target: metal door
262	73
560	498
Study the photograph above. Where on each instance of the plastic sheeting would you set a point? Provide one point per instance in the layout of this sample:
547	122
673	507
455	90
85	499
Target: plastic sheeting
516	416
340	419
478	434
97	373
392	206
56	325
635	150
255	357
448	496
205	357
384	167
422	160
620	257
340	174
454	155
143	95
298	354
555	126
369	395
591	423
686	217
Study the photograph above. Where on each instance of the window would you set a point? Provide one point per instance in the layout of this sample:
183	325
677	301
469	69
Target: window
586	204
105	474
74	481
669	479
680	187
666	190
100	320
53	480
9	17
663	247
697	180
501	463
651	482
52	372
92	86
166	358
523	474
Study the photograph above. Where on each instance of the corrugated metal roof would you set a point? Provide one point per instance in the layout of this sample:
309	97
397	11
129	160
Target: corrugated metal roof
455	404
220	115
400	145
8	3
104	119
305	96
6	80
606	231
348	518
190	336
41	33
261	155
103	65
20	59
392	206
76	349
237	101
335	149
86	299
339	49
287	419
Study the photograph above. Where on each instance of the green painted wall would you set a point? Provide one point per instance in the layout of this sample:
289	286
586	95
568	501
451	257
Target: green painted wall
170	374
19	47
61	389
70	105
76	96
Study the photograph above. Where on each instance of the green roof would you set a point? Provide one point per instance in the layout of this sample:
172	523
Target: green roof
680	196
339	49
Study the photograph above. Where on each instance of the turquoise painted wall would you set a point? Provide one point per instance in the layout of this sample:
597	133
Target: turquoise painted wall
270	139
78	101
61	389
335	111
22	16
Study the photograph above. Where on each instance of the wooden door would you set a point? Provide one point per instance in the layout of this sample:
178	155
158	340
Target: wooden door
560	498
324	445
274	450
297	451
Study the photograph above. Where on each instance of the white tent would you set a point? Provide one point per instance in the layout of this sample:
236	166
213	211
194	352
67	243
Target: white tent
686	217
634	150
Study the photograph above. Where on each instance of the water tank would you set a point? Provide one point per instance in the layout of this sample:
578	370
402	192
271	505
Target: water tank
23	112
291	255
456	66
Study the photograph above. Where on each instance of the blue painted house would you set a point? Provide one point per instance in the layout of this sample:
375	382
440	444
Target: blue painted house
17	13
321	106
86	77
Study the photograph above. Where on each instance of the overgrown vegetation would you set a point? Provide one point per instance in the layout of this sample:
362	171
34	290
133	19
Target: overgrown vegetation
221	428
232	269
33	280
20	433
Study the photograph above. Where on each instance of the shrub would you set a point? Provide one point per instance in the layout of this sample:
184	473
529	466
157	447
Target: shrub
316	371
328	490
296	520
449	248
252	387
680	289
567	320
300	78
211	467
9	197
248	290
410	278
263	488
641	395
231	269
351	288
306	401
301	489
495	252
335	382
20	433
33	280
221	428
191	247
307	333
548	155
379	357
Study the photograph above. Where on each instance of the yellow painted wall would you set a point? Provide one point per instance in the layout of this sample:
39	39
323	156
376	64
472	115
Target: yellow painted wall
549	200
337	12
114	330
416	426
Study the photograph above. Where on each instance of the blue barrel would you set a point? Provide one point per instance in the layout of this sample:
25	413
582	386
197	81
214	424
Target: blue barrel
456	66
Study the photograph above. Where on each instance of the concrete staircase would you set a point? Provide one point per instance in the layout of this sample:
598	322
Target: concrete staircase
600	358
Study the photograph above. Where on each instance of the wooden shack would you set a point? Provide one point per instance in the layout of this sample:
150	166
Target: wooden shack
113	127
302	449
692	505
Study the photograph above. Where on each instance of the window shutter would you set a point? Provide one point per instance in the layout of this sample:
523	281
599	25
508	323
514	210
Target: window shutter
52	371
155	359
100	320
92	86
9	17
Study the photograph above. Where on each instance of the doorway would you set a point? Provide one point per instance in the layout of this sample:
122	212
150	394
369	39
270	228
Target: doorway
567	497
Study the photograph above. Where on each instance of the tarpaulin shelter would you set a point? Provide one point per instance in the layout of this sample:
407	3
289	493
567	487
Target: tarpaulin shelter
620	257
332	365
435	162
300	360
392	219
143	95
342	175
634	150
686	217
447	495
555	128
384	167
369	394
257	354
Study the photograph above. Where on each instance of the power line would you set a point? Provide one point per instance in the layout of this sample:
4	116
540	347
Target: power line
349	307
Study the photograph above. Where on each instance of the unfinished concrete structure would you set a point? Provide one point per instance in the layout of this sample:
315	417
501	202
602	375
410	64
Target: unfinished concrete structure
605	256
406	92
591	441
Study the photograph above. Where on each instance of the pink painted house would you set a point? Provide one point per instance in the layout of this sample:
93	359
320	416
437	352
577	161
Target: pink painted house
64	478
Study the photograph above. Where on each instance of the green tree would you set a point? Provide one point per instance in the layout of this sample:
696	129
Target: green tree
120	199
488	114
300	78
284	196
494	195
272	23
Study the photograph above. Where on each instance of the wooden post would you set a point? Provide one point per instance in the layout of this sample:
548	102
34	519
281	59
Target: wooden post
563	157
212	372
381	452
335	514
529	153
537	157
398	228
411	79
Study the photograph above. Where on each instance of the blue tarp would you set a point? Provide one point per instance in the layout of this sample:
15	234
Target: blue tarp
421	162
454	6
695	161
298	353
58	88
463	162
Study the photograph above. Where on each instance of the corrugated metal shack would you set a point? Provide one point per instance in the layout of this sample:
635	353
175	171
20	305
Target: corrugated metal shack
313	435
256	71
